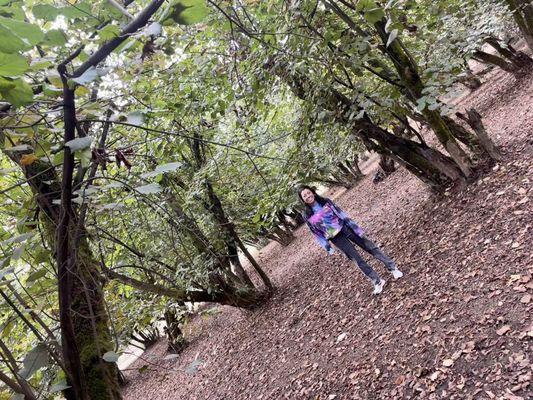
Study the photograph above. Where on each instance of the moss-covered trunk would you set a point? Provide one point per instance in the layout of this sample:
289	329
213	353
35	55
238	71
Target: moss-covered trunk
87	332
90	323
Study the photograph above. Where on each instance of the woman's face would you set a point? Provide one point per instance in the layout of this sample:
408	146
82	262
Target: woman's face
307	196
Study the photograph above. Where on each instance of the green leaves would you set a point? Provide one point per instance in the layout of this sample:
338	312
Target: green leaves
372	12
110	356
185	12
374	15
109	32
10	42
151	188
79	143
16	36
36	275
16	91
365	5
45	11
36	359
28	35
392	36
12	64
55	37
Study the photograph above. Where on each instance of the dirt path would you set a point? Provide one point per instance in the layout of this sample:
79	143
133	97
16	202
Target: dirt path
458	326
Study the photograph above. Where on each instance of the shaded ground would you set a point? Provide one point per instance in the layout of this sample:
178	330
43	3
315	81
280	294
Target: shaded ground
457	326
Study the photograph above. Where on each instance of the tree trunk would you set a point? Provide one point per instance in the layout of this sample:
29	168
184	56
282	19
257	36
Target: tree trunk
473	118
288	220
85	331
354	167
431	166
85	336
493	59
407	69
470	80
176	341
278	234
413	86
523	15
227	225
297	217
518	58
465	136
225	294
230	236
347	174
386	164
262	274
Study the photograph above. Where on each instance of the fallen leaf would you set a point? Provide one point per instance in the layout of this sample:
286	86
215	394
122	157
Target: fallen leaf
503	330
469	347
433	377
520	288
511	396
525	299
341	337
448	362
400	380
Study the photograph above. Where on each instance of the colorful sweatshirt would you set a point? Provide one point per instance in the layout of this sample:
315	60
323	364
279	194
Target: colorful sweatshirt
327	221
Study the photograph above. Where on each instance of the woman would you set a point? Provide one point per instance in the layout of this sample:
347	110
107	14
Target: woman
330	224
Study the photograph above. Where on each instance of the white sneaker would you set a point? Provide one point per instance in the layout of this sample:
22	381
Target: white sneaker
378	287
396	273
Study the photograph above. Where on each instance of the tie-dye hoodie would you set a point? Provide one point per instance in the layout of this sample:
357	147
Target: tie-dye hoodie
327	220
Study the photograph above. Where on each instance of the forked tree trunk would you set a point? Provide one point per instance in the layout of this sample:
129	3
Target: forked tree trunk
407	70
354	167
233	241
465	136
230	236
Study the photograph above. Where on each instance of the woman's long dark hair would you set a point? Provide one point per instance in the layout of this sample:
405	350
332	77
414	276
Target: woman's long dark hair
308	211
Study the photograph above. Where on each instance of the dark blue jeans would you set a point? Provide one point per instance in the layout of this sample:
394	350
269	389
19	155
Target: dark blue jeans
345	241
